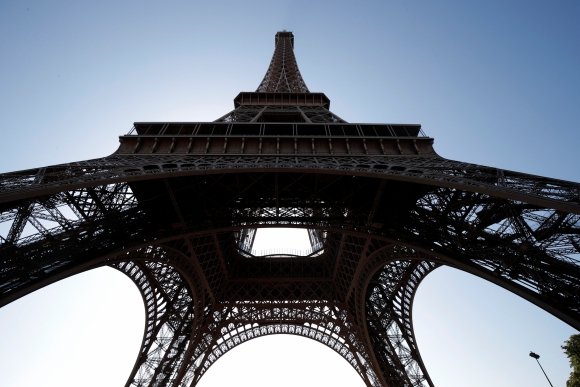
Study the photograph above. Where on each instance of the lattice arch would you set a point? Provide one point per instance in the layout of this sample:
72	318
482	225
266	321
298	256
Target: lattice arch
382	301
235	325
170	316
175	305
391	210
386	288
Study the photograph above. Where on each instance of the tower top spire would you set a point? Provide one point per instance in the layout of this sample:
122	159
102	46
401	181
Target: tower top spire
283	74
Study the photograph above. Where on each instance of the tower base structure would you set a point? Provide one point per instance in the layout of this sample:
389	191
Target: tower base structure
177	206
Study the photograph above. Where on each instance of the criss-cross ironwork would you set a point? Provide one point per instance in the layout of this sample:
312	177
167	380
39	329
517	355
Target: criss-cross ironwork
283	74
176	209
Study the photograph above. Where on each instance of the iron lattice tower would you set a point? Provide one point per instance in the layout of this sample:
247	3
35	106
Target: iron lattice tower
176	208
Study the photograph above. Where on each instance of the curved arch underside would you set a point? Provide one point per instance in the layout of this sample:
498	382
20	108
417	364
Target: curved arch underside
178	348
385	224
388	305
422	169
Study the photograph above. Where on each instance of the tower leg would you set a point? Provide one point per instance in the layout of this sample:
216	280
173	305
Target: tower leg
384	299
172	314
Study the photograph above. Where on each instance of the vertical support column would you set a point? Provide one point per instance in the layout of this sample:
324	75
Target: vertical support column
389	298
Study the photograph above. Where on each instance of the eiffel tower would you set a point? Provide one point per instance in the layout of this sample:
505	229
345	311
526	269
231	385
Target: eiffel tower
177	206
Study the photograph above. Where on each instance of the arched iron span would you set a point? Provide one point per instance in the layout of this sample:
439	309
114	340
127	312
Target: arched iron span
176	206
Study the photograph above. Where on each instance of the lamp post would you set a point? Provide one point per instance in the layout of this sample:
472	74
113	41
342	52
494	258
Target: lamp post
536	356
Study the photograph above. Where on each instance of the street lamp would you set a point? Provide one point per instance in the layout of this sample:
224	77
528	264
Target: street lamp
536	356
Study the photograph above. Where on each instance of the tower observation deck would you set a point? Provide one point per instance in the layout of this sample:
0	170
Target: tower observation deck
177	205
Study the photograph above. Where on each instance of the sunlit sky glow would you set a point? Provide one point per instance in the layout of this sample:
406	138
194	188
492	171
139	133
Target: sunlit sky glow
495	83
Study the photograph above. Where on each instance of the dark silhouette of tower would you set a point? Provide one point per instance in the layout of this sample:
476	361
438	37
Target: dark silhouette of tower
176	208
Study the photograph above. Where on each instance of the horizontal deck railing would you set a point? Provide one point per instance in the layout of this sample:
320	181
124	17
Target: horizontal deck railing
281	251
246	129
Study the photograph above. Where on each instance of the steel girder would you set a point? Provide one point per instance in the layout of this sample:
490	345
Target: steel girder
435	171
179	347
257	113
176	308
325	322
171	223
388	305
519	244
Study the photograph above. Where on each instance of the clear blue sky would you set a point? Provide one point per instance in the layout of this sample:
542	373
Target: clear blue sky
495	83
